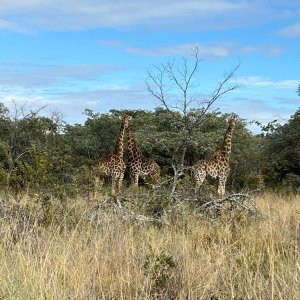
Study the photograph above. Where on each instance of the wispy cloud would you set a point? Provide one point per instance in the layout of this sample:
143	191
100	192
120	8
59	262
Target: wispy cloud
11	25
257	81
193	14
292	31
72	104
67	88
33	75
218	50
258	109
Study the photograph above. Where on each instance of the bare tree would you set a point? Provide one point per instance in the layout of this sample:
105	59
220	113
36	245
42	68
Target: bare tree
175	86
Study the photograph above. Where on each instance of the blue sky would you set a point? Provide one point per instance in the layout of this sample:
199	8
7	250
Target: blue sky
71	54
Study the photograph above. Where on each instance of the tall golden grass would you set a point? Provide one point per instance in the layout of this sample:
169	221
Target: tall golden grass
43	256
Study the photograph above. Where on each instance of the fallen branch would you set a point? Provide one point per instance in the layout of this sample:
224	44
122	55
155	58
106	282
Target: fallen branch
109	209
240	201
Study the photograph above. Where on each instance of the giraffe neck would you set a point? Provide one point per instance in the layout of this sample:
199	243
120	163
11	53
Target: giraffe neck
226	146
119	148
132	146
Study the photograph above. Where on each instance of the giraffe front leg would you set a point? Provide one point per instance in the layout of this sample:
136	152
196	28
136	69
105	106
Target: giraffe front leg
198	180
120	181
198	184
113	185
135	179
221	186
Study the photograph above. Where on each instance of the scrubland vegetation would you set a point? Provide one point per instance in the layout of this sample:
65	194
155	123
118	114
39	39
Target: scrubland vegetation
64	236
39	153
73	249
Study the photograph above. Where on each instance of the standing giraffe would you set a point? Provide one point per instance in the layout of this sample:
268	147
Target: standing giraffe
114	165
138	164
218	165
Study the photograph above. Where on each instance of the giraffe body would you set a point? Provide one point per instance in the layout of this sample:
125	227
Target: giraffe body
114	165
218	166
138	164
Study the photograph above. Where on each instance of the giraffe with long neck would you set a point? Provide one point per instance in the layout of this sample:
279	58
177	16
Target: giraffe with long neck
114	165
138	164
218	166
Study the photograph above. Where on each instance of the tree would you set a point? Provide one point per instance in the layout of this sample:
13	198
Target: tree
32	149
43	153
282	150
174	85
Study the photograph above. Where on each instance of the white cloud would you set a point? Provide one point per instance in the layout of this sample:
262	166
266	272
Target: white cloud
183	49
66	88
6	24
34	75
77	14
219	50
292	31
258	109
257	81
72	104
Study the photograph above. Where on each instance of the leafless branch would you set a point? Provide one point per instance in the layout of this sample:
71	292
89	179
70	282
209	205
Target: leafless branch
172	84
240	201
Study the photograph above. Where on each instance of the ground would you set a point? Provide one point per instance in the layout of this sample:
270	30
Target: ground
53	250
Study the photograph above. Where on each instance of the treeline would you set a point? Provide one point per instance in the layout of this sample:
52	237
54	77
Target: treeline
41	153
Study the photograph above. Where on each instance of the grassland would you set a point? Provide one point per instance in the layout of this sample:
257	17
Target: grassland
60	250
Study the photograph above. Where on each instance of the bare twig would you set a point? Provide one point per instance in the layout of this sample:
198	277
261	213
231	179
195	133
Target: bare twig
172	85
244	202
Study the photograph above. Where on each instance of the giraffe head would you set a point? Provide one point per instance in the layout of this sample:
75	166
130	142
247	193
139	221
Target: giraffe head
125	120
232	120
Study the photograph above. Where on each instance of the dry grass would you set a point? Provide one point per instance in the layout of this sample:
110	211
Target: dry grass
43	256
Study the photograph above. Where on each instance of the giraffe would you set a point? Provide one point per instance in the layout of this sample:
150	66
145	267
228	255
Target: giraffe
218	166
138	164
114	165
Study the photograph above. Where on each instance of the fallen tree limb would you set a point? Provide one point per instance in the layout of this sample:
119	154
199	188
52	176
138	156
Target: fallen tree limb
238	201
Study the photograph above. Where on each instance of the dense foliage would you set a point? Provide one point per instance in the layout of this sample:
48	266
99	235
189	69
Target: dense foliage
41	153
282	148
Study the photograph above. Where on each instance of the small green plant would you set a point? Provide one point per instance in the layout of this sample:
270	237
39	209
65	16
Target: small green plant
160	267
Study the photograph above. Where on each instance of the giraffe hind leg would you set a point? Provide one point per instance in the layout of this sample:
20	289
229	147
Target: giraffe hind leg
198	180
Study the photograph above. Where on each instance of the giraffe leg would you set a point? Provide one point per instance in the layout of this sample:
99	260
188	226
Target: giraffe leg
135	179
113	185
198	182
120	181
153	179
198	175
221	186
96	186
